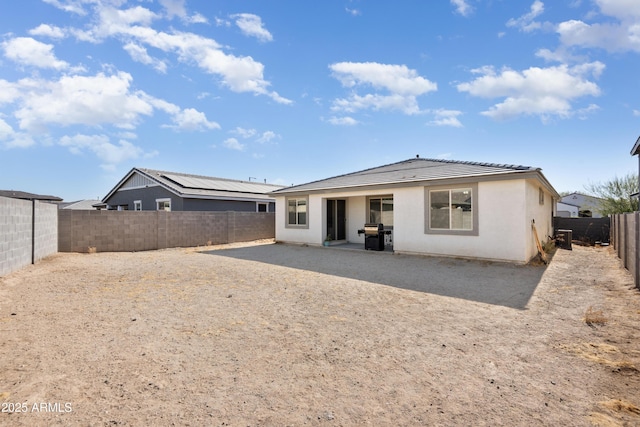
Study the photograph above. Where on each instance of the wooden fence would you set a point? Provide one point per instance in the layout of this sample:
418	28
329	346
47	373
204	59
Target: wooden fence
625	237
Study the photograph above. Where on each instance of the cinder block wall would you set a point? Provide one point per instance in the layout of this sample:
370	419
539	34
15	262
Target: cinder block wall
122	231
16	231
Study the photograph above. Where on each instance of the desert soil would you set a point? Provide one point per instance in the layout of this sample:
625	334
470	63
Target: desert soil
263	334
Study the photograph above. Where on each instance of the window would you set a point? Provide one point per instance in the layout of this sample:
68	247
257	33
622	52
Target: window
541	196
381	210
163	204
262	207
137	205
297	212
452	210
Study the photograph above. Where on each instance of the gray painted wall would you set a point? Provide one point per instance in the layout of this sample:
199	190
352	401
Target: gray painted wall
16	233
149	195
123	231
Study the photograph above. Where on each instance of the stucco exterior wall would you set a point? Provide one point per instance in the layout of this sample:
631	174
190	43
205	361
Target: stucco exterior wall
505	210
542	214
500	217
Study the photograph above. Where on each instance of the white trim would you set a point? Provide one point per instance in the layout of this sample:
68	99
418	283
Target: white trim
158	201
137	202
266	204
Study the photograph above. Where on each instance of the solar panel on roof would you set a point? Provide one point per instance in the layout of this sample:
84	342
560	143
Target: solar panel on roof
202	183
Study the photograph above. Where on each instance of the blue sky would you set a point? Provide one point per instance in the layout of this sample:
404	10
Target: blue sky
293	91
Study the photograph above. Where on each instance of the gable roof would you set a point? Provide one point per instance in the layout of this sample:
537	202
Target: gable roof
416	170
195	186
13	194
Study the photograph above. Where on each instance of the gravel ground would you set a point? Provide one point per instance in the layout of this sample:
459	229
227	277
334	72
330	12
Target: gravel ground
264	334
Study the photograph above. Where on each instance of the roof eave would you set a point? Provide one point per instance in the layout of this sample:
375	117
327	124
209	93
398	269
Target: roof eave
636	147
293	191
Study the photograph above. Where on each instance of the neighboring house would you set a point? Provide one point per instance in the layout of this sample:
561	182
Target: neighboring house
80	205
567	210
13	194
433	207
587	205
148	189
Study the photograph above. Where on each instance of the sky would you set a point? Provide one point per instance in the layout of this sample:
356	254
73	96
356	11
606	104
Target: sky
291	91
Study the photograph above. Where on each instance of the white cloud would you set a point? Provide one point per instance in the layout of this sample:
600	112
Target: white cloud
343	121
353	12
178	8
636	113
527	21
244	133
622	35
446	118
537	91
73	6
266	137
28	51
81	100
251	25
109	153
11	139
462	7
46	30
403	84
621	9
139	54
238	73
233	144
190	119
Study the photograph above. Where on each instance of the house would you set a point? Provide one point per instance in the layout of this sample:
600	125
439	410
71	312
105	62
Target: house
149	189
587	205
80	205
431	207
567	210
23	195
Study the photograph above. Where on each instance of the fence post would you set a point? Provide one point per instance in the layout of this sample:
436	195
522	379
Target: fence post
636	255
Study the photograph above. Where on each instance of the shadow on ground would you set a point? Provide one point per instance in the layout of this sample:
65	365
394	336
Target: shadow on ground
481	281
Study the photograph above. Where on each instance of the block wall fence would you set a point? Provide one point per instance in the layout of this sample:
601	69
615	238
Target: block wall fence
625	236
28	232
128	231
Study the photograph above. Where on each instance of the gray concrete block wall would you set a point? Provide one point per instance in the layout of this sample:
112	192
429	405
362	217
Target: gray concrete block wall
16	232
122	231
46	228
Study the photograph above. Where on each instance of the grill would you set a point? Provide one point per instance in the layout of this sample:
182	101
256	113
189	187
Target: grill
374	236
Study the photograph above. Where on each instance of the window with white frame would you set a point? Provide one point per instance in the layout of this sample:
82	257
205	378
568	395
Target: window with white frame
163	204
262	207
297	212
452	210
137	205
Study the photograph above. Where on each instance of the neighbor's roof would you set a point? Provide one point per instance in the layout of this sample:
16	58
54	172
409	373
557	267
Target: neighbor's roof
13	194
636	147
414	170
79	205
199	186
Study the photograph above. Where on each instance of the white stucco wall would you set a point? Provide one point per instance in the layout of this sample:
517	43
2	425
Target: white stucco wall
500	217
505	211
542	214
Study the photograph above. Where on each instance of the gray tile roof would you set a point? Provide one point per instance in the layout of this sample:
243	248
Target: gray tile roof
412	170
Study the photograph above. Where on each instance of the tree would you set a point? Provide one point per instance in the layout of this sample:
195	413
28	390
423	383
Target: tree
616	195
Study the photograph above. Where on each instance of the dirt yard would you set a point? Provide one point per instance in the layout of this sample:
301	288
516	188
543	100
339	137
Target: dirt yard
274	335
